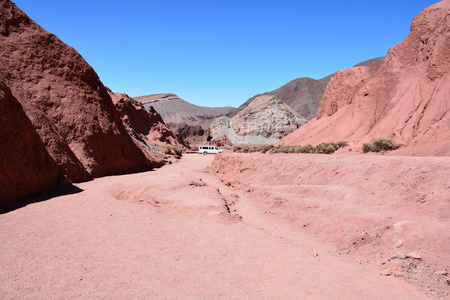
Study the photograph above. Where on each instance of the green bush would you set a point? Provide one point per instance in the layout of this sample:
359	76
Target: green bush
237	148
245	149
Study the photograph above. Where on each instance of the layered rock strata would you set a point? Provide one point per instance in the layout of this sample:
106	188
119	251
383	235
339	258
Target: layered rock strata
176	110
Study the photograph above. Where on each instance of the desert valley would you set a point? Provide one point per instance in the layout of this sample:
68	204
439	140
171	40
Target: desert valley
337	188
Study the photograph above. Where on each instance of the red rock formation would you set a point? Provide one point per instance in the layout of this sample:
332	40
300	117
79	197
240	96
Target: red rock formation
220	141
405	98
65	100
190	134
26	168
149	123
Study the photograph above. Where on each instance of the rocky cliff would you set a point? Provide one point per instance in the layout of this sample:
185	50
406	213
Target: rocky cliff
405	98
65	100
148	124
26	168
190	134
265	120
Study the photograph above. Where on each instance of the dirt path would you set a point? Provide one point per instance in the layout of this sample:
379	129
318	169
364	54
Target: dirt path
174	233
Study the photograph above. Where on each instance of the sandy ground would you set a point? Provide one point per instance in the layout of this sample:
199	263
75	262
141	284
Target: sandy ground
181	232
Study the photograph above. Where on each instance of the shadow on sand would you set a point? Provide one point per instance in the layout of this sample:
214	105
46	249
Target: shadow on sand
42	197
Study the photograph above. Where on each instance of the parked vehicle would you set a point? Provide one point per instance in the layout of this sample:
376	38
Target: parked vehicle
208	150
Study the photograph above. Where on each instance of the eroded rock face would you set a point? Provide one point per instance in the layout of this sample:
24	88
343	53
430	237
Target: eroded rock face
148	124
65	101
220	141
26	168
190	134
265	120
406	98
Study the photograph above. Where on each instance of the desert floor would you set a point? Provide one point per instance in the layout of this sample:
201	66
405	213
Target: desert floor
238	227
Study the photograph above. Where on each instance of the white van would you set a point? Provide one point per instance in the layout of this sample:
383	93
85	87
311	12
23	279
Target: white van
209	150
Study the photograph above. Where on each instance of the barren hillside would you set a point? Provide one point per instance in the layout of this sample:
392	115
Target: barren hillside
405	98
175	110
304	94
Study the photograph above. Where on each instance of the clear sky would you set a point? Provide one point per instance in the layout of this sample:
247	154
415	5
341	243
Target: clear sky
220	53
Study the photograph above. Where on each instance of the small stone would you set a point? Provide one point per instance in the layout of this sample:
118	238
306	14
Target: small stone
386	272
441	272
413	255
398	255
398	244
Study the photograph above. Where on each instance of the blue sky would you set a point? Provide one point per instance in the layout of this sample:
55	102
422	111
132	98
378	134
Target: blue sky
220	53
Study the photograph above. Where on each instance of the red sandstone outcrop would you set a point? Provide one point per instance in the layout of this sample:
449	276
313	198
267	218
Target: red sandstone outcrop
148	124
220	141
265	120
26	168
65	100
190	134
406	98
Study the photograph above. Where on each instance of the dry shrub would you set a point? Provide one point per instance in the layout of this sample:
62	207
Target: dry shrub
379	145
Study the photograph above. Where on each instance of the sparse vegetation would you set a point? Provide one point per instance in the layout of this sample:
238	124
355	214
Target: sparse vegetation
264	149
177	151
324	148
379	145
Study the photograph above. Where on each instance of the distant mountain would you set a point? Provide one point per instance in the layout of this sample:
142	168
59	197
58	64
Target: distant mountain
303	94
175	110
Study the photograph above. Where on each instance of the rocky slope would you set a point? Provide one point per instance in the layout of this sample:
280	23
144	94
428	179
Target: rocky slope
405	98
265	120
190	134
304	94
26	168
175	110
65	100
148	124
